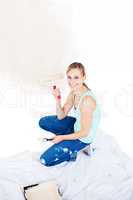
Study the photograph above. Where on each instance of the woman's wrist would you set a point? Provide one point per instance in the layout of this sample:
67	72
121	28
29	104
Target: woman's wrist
58	98
69	136
58	102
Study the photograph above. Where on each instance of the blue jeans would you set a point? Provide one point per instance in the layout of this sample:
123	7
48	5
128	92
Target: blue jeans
65	150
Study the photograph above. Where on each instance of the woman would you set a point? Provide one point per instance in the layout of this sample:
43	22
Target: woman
71	133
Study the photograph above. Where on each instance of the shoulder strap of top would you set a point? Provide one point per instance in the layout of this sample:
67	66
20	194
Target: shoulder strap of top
84	94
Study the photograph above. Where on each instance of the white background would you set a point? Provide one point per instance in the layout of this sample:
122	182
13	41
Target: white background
38	39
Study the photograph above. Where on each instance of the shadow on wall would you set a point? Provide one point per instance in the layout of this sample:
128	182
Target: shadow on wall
36	39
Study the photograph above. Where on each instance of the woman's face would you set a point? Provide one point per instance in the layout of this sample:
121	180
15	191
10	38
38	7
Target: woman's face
75	79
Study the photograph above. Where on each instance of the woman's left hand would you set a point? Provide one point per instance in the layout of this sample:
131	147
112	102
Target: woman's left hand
58	138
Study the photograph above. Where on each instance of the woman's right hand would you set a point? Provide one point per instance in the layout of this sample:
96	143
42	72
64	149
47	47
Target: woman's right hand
56	93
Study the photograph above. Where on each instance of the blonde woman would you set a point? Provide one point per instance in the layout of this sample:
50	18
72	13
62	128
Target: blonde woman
72	133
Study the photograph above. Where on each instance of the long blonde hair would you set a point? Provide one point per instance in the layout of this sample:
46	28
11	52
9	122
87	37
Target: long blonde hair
80	66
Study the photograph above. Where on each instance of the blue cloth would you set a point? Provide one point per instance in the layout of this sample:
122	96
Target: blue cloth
65	150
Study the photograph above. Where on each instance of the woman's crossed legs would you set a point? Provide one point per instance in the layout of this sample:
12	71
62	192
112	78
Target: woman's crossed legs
65	150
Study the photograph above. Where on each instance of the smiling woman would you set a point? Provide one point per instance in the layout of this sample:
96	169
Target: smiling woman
72	134
78	75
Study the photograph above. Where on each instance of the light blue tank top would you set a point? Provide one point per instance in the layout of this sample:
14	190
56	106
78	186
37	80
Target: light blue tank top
95	119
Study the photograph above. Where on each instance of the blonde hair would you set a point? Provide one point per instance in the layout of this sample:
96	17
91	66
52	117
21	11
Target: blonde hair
80	66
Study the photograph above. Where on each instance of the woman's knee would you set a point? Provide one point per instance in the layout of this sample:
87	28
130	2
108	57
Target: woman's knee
55	155
43	161
44	121
46	161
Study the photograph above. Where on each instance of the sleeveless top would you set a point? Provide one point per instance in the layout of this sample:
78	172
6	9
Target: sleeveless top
95	118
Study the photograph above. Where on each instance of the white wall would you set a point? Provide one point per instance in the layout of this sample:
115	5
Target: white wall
38	39
35	38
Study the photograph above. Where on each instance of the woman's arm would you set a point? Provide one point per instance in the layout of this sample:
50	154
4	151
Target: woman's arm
87	108
63	111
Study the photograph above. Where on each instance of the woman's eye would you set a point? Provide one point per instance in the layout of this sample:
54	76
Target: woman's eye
69	77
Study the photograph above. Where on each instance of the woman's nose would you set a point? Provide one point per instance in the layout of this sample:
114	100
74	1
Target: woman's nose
72	82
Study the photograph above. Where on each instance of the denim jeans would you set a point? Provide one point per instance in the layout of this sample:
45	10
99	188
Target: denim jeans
65	150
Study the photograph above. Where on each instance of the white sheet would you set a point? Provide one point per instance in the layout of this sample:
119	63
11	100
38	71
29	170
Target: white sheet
107	175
